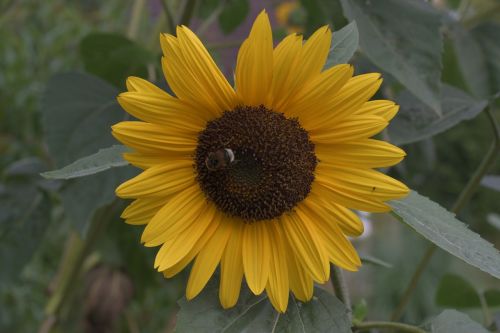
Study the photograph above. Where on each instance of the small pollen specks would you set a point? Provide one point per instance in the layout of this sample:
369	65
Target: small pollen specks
273	167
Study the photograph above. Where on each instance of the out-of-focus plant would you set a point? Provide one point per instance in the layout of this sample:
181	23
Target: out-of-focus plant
63	245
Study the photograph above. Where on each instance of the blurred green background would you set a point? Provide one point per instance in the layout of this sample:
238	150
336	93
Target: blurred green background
118	290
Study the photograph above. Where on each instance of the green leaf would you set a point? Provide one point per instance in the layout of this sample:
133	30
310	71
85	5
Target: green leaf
104	159
367	259
344	44
455	292
24	217
492	182
324	313
403	38
442	228
77	115
233	14
114	57
416	121
451	321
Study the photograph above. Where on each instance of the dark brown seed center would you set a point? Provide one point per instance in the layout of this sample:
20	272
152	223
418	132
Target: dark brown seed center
254	163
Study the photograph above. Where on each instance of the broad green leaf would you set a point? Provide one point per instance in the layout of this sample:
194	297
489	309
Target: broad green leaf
455	292
24	217
233	14
451	321
442	228
416	121
324	313
114	57
492	182
471	60
367	259
104	159
344	44
77	115
403	38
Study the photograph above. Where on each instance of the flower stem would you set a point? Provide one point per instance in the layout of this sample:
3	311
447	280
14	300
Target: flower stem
464	197
340	288
400	327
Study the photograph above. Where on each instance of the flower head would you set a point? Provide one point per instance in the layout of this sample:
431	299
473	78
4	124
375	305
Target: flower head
260	179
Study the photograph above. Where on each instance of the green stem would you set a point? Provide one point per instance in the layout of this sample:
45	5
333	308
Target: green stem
464	197
400	327
340	288
133	26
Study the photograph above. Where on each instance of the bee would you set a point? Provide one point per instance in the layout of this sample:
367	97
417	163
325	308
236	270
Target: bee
219	159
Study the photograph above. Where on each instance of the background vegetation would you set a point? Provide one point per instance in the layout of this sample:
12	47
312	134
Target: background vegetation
69	264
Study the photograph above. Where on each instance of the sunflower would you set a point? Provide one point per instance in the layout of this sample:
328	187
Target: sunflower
261	178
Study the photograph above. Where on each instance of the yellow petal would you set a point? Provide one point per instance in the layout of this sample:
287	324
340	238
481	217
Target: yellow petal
254	66
347	101
317	94
160	180
142	210
177	215
365	153
206	71
349	199
152	138
143	86
349	129
164	110
348	221
256	255
171	271
177	248
339	249
146	161
231	272
366	182
307	246
311	61
182	80
355	189
301	281
286	59
382	108
207	260
278	287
